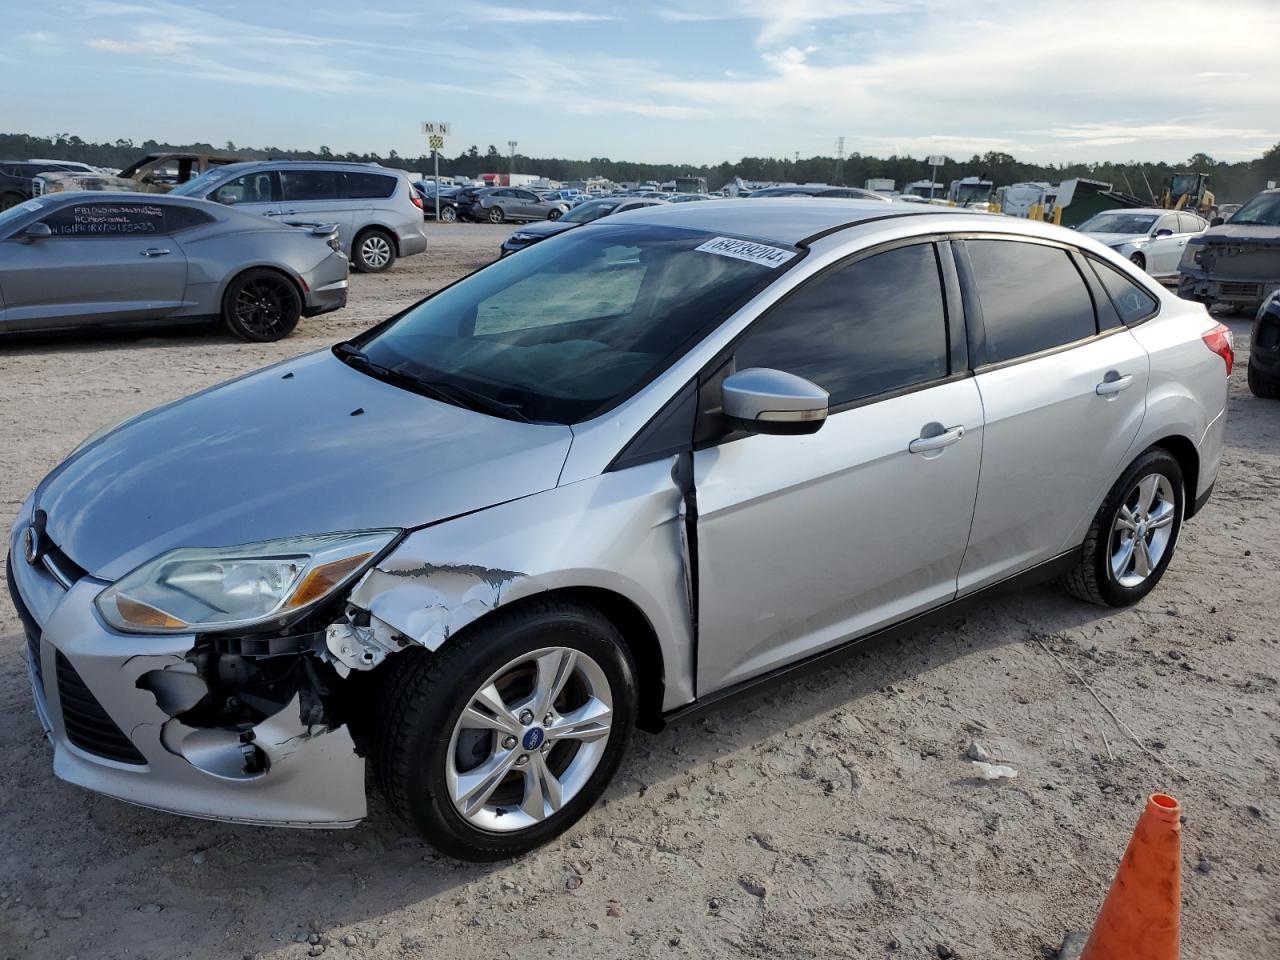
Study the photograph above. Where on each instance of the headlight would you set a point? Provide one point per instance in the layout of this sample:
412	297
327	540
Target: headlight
521	236
229	588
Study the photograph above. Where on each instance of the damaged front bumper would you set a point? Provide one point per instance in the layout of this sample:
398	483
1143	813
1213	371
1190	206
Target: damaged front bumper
116	737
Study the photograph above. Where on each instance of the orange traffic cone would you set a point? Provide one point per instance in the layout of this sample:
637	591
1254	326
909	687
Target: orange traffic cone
1139	919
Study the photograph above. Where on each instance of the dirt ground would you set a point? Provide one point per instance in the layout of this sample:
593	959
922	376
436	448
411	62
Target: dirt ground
835	817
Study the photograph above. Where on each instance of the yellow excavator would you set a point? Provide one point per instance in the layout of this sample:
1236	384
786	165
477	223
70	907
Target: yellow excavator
1188	191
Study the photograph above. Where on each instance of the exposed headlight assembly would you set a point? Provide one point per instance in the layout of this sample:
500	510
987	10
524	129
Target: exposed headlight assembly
195	590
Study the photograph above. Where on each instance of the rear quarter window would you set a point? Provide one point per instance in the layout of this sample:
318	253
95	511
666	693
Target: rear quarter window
183	218
1131	302
369	186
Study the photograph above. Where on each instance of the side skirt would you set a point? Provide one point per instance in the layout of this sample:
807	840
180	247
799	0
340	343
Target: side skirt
1046	570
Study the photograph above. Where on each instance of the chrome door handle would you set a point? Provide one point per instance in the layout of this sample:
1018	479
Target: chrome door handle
156	252
939	442
1113	385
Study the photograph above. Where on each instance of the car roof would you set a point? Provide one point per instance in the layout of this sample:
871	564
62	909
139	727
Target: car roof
781	220
1153	211
354	165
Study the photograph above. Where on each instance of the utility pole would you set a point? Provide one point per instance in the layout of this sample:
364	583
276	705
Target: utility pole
839	177
511	173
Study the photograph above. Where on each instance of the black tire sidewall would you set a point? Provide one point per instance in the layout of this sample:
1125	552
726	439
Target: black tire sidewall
232	321
357	258
1138	260
430	808
1153	461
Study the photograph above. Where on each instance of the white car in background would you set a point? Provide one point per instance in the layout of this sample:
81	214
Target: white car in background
1149	237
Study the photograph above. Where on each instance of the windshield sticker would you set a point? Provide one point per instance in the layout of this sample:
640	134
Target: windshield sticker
762	253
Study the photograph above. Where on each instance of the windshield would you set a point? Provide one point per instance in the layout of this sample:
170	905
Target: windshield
17	212
1263	210
199	186
592	210
574	325
1118	223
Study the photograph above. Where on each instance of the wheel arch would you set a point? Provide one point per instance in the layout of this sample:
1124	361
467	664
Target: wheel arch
1188	457
294	281
381	227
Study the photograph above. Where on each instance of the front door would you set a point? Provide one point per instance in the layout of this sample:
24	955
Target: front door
106	262
1062	404
804	542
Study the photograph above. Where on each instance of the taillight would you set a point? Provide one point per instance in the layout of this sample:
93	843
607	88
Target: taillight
416	198
1219	341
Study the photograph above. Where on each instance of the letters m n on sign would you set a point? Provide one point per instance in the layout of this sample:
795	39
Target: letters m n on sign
435	128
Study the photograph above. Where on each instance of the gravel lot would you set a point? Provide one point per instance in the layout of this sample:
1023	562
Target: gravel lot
834	817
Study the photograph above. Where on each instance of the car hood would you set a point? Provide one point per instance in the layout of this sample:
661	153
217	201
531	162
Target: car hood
1241	233
304	447
1116	239
545	228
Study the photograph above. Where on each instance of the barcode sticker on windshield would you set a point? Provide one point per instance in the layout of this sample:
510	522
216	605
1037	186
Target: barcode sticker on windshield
762	253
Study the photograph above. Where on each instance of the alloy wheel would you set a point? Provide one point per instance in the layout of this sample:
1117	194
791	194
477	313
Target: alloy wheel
529	739
262	307
375	251
1142	530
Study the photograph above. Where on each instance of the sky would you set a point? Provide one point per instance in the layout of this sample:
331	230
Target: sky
697	82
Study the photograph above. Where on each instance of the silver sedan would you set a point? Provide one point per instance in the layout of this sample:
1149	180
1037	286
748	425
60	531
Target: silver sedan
78	260
648	465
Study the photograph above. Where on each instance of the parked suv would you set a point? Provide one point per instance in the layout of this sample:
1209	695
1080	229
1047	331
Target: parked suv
656	463
379	214
16	177
499	204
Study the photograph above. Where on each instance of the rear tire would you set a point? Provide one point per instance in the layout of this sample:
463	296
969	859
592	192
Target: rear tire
496	215
432	759
10	200
1262	386
261	306
1133	535
373	251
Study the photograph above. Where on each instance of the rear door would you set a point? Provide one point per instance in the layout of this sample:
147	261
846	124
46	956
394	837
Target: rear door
804	542
106	262
1063	402
316	195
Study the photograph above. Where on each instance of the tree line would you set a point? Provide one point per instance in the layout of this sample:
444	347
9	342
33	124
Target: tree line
1230	181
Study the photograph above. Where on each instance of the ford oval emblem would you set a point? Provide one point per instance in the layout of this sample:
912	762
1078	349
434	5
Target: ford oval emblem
31	545
533	738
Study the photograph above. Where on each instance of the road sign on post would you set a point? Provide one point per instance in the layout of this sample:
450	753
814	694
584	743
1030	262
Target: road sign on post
435	131
935	162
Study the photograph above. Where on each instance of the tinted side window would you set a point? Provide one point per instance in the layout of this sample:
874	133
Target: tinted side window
1168	222
182	217
1131	301
308	185
1190	223
361	186
866	328
107	220
1032	296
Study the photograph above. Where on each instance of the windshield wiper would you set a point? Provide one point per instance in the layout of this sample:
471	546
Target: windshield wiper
466	397
451	393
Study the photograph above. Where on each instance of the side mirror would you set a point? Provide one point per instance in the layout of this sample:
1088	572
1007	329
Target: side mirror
1164	232
761	400
227	196
34	232
1217	222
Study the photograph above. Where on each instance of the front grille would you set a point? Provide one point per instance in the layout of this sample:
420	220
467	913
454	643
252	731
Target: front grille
63	569
87	724
1229	289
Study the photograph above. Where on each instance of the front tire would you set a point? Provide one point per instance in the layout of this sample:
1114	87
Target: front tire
555	213
448	215
1139	261
10	200
374	251
1133	535
261	306
1262	386
507	735
496	215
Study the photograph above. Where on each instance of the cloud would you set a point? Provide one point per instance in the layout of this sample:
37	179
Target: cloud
528	15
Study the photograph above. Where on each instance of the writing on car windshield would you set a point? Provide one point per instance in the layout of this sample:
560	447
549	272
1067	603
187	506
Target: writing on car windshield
573	325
